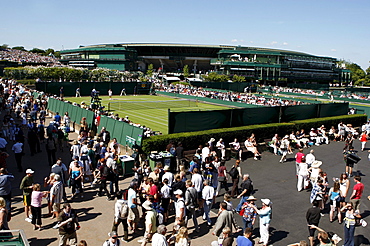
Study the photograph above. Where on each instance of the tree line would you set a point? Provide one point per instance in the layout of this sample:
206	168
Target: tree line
66	74
42	52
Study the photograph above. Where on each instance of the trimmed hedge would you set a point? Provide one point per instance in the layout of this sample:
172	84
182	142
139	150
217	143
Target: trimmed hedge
191	140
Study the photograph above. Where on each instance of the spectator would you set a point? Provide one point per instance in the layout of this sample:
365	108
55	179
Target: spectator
113	239
150	222
159	238
27	187
208	194
224	219
358	190
6	188
247	190
67	225
245	239
36	199
18	152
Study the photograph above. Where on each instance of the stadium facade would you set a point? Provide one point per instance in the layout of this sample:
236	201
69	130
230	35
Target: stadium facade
256	64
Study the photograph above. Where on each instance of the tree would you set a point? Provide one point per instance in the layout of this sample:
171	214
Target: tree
357	73
237	78
37	51
214	77
4	46
149	72
186	71
48	52
19	48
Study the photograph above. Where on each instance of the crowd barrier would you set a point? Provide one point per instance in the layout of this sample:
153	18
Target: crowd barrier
228	86
206	120
126	134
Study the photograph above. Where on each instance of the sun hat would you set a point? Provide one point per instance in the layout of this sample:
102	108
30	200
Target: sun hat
266	201
251	198
316	164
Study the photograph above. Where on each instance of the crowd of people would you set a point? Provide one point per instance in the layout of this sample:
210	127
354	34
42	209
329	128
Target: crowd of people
325	94
166	192
19	56
247	98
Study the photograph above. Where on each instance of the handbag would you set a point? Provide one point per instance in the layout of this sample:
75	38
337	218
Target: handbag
221	178
241	212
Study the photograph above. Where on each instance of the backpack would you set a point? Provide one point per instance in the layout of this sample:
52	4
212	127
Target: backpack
234	173
123	211
125	194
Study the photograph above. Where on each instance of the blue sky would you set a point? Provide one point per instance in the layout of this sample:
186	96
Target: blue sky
326	28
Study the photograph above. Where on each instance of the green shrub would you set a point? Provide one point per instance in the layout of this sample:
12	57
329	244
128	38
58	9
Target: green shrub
191	140
26	81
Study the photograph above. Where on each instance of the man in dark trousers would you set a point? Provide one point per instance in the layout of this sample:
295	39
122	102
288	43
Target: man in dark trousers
179	155
247	189
313	218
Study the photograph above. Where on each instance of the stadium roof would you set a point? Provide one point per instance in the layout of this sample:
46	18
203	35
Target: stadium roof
225	48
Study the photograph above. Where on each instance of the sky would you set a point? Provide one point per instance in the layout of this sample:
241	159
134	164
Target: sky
334	28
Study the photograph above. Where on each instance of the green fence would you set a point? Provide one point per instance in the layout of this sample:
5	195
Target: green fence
321	87
86	87
74	112
125	133
200	120
229	86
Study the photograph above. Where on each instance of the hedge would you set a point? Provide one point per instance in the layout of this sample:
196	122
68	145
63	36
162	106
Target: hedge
191	140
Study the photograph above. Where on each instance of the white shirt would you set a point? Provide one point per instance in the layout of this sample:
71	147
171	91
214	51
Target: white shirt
205	153
220	145
178	205
197	181
159	240
310	158
208	192
165	191
169	176
130	195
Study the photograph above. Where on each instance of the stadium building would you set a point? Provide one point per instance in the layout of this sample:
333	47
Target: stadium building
256	64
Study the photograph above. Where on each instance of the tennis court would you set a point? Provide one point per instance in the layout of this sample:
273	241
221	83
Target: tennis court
151	111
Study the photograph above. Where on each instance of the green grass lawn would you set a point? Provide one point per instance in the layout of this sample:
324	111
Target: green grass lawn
153	115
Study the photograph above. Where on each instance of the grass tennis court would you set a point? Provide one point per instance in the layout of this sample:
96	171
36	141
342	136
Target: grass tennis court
152	111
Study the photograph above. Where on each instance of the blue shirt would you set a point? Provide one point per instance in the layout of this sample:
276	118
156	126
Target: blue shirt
243	241
57	118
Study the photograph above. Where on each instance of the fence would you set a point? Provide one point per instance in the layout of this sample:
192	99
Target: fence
229	86
125	133
206	120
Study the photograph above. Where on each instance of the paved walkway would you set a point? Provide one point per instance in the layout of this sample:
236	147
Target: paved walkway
271	179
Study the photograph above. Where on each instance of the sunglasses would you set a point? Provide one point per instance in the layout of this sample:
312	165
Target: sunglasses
114	237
